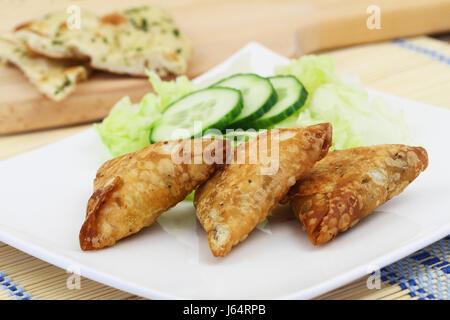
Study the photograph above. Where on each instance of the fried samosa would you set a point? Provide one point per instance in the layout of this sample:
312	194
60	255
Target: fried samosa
133	190
241	195
350	184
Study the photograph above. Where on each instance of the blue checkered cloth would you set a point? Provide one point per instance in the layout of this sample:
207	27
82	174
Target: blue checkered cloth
424	274
433	54
12	288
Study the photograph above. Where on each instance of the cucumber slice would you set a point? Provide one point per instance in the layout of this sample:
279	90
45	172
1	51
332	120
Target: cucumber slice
291	97
213	107
258	94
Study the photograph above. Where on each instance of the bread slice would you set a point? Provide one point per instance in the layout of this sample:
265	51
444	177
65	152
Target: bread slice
125	42
56	79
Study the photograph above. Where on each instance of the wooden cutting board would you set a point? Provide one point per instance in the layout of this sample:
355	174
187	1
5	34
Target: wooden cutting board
217	29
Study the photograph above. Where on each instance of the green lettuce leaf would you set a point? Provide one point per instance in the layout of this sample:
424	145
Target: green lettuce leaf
190	196
343	101
170	91
313	71
127	127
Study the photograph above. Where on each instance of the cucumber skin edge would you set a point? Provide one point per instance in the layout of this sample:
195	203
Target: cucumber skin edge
270	102
266	123
242	123
217	83
221	125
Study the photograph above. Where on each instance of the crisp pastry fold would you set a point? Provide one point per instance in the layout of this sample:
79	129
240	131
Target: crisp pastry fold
133	190
241	195
348	185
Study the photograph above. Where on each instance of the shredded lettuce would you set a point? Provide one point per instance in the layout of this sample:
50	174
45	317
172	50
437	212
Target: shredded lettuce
342	100
190	196
127	127
170	91
313	71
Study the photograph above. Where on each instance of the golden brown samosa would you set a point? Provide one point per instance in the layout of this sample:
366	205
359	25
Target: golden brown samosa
133	190
241	195
348	185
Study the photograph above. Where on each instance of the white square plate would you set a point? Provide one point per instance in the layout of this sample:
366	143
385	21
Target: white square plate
43	196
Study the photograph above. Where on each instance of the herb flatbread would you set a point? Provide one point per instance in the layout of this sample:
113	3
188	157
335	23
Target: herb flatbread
56	79
126	42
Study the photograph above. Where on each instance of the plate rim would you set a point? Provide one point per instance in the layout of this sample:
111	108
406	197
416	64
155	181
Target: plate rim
62	262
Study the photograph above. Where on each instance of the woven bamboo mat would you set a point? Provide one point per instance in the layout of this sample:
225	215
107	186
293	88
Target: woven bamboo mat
417	69
23	277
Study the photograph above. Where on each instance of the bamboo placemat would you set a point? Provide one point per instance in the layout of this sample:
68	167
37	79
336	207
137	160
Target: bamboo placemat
417	69
423	275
